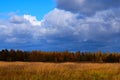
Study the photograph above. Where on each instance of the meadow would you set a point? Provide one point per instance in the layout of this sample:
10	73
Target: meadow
59	71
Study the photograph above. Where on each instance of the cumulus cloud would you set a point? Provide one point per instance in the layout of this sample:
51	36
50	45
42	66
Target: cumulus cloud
22	19
17	19
32	20
97	32
103	25
66	27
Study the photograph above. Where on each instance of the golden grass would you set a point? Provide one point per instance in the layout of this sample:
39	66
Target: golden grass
59	71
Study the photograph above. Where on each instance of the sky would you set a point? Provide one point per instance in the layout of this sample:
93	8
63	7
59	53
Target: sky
59	25
31	7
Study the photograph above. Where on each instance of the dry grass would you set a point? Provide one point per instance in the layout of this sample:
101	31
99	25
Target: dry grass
59	71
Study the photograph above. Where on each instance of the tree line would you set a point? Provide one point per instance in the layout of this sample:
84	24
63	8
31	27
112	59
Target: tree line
66	56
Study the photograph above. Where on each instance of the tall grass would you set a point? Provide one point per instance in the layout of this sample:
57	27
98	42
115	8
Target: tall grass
59	71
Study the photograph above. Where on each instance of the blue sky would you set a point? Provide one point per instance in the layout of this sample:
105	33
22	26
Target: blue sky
33	7
57	25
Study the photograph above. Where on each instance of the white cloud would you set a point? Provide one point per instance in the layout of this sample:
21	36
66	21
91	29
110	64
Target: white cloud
59	20
64	29
24	19
32	20
63	24
17	19
102	26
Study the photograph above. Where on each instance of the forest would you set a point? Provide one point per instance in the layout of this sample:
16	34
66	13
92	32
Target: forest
66	56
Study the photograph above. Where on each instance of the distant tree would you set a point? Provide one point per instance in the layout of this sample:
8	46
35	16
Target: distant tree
55	56
4	55
12	55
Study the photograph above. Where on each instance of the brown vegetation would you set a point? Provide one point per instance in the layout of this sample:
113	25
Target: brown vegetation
67	56
59	71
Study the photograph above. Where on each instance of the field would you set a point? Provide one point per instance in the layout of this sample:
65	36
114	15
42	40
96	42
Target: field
59	71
